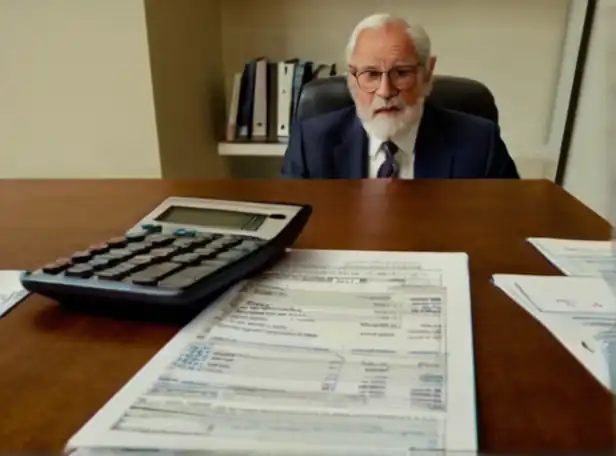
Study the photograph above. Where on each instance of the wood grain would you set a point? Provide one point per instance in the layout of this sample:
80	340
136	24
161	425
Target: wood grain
58	368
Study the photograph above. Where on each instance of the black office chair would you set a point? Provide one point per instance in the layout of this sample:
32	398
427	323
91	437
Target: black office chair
461	94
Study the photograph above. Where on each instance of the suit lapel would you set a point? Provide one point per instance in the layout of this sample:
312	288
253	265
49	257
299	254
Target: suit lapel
351	154
433	159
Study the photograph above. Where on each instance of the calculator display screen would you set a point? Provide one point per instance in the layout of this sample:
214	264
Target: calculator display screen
215	218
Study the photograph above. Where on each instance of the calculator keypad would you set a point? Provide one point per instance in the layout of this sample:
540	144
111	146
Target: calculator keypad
154	258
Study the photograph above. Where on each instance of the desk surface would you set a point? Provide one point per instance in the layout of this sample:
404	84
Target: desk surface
58	368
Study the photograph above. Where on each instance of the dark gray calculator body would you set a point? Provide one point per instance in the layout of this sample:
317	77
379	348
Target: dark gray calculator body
181	254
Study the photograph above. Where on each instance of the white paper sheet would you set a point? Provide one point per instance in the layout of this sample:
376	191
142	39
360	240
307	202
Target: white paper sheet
578	311
330	352
11	291
578	258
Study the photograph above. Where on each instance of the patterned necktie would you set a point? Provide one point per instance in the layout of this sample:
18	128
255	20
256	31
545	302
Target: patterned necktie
389	168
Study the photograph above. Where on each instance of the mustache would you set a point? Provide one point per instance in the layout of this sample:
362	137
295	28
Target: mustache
381	103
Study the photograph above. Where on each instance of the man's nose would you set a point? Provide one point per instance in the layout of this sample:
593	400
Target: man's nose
386	89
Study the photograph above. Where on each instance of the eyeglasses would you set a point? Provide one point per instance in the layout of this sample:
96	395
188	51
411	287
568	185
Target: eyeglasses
402	77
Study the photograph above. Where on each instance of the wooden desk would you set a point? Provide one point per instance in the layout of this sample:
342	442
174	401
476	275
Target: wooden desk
58	368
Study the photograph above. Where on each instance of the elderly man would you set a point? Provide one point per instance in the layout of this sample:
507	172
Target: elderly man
392	131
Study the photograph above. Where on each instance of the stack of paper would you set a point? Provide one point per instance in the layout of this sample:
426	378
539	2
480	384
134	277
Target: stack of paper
330	352
579	258
578	311
11	291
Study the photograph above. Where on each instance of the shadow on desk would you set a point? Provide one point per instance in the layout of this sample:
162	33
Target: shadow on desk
56	316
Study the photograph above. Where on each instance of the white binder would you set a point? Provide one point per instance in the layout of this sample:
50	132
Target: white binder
286	70
234	108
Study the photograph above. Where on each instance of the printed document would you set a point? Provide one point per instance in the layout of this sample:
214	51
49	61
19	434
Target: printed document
579	258
11	291
578	311
329	352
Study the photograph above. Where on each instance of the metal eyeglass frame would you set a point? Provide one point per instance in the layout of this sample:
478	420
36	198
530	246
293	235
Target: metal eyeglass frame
356	74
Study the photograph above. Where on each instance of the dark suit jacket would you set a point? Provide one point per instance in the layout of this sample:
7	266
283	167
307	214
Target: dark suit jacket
449	144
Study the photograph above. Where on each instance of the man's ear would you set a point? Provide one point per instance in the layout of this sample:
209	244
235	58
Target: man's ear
429	76
431	66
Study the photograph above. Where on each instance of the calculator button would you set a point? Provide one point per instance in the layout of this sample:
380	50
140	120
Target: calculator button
154	273
184	232
98	248
81	257
141	260
205	252
184	245
109	274
116	242
187	277
187	258
209	237
247	247
253	243
116	273
229	240
152	228
137	247
163	253
230	255
125	267
159	240
178	282
100	262
57	266
145	281
222	244
213	265
80	270
135	237
119	254
200	240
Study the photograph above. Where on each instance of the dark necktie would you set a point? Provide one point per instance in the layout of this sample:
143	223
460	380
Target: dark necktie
389	168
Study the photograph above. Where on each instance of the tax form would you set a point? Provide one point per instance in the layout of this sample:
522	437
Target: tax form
11	291
329	352
580	312
579	258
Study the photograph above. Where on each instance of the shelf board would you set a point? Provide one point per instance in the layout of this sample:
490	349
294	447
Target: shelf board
252	149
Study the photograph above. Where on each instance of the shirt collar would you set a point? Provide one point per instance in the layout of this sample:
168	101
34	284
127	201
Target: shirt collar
405	142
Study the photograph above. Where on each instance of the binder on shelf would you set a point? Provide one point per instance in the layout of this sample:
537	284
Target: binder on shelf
286	74
259	112
272	101
231	133
265	98
244	120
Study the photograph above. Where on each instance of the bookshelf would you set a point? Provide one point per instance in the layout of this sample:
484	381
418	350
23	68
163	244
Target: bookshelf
197	45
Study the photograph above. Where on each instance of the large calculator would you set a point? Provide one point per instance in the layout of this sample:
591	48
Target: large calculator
184	252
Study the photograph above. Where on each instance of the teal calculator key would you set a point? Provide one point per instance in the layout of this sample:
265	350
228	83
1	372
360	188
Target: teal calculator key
152	227
184	232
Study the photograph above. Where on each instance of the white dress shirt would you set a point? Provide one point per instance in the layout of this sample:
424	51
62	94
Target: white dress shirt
405	157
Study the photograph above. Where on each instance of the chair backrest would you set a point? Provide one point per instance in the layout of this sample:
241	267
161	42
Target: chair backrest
461	94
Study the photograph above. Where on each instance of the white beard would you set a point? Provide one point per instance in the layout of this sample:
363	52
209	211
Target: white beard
385	126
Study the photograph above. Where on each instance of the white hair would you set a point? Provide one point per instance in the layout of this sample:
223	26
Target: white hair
419	37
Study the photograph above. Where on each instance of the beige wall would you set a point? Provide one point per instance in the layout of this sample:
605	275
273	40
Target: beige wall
185	56
75	90
586	175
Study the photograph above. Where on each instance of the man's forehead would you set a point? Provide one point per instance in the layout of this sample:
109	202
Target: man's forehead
385	43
